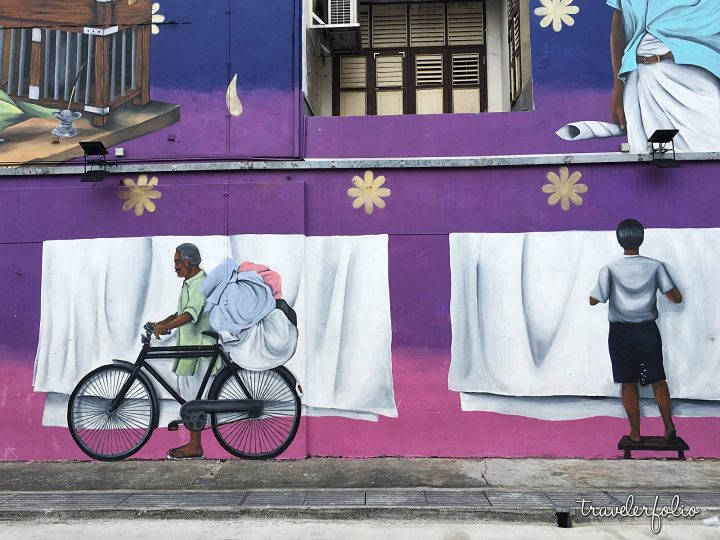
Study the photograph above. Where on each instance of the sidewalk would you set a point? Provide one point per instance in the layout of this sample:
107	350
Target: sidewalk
494	489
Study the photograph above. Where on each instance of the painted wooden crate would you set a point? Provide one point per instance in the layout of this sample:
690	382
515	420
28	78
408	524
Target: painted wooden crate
89	55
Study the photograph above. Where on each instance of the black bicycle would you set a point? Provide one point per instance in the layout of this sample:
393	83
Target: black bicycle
114	409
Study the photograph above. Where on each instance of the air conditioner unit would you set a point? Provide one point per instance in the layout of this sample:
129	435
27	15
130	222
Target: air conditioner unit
338	22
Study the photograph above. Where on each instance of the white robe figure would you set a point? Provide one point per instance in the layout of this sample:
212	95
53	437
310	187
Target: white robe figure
666	95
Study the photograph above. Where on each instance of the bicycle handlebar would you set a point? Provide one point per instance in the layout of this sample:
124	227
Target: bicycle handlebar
149	329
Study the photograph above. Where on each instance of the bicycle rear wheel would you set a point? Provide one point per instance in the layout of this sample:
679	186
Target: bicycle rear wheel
273	430
105	435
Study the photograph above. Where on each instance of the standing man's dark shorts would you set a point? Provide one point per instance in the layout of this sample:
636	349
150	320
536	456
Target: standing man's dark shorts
636	352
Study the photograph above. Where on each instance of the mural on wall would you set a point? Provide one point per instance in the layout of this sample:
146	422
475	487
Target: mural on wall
104	71
525	342
630	284
86	67
254	413
559	97
128	281
666	68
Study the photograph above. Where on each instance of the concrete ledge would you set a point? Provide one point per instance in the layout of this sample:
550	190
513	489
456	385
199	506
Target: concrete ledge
127	166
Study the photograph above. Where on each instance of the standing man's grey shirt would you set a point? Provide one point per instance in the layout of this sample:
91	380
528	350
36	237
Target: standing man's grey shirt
631	285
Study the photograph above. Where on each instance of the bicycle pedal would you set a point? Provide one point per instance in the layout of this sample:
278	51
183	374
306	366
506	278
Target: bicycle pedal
174	425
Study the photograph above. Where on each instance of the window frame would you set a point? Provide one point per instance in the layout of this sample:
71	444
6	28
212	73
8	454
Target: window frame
409	75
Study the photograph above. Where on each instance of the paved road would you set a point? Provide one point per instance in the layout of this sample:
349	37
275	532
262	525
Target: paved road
333	530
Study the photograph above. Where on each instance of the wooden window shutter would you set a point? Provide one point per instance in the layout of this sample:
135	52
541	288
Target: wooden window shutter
427	25
389	71
428	69
466	69
389	26
515	48
353	72
364	20
466	25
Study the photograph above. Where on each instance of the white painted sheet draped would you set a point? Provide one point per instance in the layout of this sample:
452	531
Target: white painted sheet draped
97	294
522	325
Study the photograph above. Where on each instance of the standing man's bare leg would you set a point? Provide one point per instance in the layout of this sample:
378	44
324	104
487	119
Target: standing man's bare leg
662	396
631	402
190	450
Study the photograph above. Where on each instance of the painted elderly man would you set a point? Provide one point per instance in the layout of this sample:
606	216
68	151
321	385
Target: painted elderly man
666	63
631	284
190	320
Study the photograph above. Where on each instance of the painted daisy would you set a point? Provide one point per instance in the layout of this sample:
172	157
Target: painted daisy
556	12
157	18
140	195
368	192
564	188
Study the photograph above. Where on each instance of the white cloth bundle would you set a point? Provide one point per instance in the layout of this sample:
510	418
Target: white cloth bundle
96	295
236	300
588	129
242	310
265	345
522	325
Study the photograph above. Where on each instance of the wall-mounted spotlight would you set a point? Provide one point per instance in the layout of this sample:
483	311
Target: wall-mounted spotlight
661	144
93	149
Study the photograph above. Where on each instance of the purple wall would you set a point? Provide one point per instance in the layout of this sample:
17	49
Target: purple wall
425	206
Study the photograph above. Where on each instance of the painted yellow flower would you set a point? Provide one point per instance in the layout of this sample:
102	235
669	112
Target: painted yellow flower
368	192
556	12
564	188
140	195
157	18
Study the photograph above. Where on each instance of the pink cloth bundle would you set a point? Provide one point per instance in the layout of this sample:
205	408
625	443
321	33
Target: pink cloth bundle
271	278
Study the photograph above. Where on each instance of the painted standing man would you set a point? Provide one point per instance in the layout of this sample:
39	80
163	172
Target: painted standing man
631	285
666	67
190	320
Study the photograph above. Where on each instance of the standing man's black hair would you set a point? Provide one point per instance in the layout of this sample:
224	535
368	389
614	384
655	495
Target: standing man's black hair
630	233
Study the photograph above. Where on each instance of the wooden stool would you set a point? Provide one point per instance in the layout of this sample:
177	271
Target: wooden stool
654	444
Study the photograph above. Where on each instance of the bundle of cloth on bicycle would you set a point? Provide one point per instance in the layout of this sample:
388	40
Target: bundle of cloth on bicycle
245	304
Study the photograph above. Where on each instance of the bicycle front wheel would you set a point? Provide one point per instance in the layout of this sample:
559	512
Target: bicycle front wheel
273	430
105	435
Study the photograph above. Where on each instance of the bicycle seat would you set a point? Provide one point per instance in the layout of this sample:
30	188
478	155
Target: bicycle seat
210	333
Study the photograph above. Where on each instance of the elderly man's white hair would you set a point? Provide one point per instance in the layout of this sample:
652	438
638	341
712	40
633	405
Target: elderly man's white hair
189	252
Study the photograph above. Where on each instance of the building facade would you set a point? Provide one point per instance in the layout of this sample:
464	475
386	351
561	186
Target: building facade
437	183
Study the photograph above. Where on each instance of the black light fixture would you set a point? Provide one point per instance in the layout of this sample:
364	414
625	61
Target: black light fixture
661	144
92	149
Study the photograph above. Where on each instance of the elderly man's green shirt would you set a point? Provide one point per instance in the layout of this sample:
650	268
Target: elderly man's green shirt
192	302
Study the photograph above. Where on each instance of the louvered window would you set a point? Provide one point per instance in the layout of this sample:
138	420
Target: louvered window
390	82
429	93
466	82
353	86
389	71
389	26
466	69
515	48
428	69
466	24
427	25
364	20
353	72
421	57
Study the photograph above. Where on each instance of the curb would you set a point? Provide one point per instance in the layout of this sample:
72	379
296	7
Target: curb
351	504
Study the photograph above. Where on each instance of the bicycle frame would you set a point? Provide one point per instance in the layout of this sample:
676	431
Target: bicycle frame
188	351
